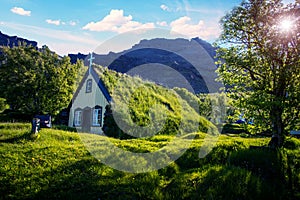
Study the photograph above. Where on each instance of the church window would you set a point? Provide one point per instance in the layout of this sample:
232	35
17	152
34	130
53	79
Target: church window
97	116
77	117
88	86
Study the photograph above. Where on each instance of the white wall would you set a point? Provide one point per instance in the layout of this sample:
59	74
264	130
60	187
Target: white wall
91	99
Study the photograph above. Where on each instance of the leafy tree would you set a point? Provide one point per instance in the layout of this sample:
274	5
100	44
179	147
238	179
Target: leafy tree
36	81
3	105
259	63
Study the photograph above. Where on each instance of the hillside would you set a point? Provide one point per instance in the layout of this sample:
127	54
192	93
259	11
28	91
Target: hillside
143	107
6	40
58	166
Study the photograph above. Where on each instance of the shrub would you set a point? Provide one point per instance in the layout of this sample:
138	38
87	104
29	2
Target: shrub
64	128
292	143
3	105
169	171
233	128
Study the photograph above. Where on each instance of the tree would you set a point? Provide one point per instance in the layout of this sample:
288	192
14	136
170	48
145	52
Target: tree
36	81
3	105
259	60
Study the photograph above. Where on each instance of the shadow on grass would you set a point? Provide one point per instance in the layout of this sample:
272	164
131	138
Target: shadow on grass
18	138
77	180
84	179
216	182
89	179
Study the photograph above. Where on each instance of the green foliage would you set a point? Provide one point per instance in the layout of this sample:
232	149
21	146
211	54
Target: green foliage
36	81
15	116
110	127
292	143
57	165
234	128
3	105
259	63
214	107
142	109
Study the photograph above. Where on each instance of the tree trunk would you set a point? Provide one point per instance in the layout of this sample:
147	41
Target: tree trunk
277	127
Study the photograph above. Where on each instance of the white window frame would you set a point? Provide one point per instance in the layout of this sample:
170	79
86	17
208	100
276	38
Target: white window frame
97	116
77	117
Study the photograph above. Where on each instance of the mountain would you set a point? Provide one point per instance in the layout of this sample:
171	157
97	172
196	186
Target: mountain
11	41
169	62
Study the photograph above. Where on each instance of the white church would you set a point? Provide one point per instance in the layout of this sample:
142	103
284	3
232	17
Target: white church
89	102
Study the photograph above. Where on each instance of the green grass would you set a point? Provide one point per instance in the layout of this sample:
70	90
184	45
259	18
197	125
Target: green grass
144	104
57	165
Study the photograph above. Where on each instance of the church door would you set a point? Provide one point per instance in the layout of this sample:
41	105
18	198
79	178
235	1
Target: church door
86	120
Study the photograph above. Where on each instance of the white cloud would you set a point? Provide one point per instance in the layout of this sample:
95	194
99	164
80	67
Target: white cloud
54	22
72	23
163	23
59	22
20	11
172	9
117	22
73	42
184	26
164	7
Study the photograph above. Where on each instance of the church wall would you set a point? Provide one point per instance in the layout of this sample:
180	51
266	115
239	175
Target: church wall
83	100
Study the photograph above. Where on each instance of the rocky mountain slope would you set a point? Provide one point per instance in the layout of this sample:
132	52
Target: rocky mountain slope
11	41
168	62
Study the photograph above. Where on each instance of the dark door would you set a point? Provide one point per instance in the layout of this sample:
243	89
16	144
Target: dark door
86	120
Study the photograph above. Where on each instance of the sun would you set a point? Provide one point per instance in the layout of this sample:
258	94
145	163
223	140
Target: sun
286	25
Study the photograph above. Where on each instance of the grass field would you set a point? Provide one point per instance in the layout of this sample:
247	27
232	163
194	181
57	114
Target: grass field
57	165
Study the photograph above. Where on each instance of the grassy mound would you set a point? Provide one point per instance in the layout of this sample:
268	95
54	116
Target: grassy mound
143	108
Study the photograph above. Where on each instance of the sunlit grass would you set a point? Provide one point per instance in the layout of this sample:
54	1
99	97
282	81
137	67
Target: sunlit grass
57	165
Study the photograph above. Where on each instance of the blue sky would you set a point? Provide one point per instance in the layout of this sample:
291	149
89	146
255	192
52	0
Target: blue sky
70	26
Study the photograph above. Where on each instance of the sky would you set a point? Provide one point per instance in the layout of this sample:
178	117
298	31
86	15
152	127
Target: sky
72	26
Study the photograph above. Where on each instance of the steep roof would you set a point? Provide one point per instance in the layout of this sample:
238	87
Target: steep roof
99	82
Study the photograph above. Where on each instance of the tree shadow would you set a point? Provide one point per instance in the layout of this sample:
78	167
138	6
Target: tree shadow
79	180
18	138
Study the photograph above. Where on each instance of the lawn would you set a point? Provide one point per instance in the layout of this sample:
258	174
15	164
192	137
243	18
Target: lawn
57	165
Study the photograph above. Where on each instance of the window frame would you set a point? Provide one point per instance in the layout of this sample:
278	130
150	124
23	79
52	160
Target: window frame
97	116
78	117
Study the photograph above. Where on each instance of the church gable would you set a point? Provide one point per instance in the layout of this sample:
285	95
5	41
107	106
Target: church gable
89	102
91	82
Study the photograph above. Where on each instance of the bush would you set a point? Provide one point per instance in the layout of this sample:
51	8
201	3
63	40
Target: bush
3	105
64	128
292	143
233	129
169	171
14	116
